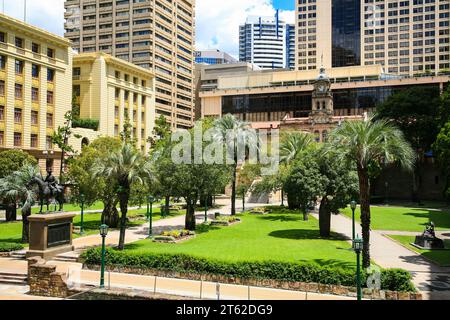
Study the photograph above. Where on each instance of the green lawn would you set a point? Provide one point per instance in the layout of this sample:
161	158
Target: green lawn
440	257
277	237
12	231
404	218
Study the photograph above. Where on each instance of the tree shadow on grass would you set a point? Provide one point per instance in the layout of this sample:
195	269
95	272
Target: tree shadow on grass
281	217
441	219
12	240
301	234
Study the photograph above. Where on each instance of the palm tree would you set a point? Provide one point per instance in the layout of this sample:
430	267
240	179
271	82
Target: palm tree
16	188
292	144
236	135
125	167
365	143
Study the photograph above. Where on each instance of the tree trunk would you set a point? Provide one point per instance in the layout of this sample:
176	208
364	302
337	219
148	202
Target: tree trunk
167	205
25	225
305	214
110	215
233	191
364	197
324	218
11	212
282	198
124	195
190	215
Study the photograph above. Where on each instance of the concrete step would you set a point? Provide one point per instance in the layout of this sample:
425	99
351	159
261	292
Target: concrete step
65	259
13	278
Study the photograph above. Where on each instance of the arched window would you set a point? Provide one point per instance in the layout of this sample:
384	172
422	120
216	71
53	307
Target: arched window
84	142
318	105
324	105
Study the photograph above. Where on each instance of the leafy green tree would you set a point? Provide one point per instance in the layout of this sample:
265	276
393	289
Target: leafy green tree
363	143
236	135
304	182
95	188
161	131
442	149
17	189
415	111
246	177
123	168
11	161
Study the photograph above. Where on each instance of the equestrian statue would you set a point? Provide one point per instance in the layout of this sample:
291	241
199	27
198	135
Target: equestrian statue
49	189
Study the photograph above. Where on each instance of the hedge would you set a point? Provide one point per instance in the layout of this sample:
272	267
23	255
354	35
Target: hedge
86	123
10	246
392	279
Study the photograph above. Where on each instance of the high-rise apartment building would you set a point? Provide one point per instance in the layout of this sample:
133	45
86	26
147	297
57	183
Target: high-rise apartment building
290	46
35	89
264	42
153	34
406	37
213	57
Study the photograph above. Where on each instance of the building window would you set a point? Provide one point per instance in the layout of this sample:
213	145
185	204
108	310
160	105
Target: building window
116	130
48	143
2	37
18	91
50	75
18	116
19	42
127	77
34	118
35	71
35	94
49	97
1	138
144	83
35	48
2	113
49	120
2	62
17	139
143	100
34	141
117	74
116	112
117	93
127	95
2	88
76	72
50	52
19	67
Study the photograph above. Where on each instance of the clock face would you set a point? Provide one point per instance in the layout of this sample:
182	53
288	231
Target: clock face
321	88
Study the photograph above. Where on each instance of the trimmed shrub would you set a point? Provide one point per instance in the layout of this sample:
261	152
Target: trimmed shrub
284	271
86	123
10	246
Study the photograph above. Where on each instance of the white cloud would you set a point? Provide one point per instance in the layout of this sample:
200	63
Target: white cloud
217	20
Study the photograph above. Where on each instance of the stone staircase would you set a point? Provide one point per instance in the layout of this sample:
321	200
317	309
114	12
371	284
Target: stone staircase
18	254
68	256
13	278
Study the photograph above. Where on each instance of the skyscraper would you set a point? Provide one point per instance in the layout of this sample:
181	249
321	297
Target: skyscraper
154	34
213	57
264	41
406	37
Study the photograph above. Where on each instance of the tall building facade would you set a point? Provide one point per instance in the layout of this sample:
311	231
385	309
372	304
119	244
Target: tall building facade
290	46
263	41
35	89
113	91
213	57
405	37
154	34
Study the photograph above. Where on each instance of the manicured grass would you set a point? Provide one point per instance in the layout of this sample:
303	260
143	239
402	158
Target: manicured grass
12	231
276	237
404	218
440	257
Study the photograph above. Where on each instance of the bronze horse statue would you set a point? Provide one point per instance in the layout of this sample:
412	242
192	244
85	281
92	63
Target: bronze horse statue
46	193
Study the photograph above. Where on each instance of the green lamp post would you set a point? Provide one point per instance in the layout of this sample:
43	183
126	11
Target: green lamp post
353	207
82	199
103	233
150	200
357	246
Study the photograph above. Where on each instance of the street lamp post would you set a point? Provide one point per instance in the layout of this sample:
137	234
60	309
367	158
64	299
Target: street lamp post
150	200
103	233
357	246
353	207
82	199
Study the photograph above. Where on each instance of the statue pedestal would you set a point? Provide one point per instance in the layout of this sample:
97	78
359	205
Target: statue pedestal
50	234
422	242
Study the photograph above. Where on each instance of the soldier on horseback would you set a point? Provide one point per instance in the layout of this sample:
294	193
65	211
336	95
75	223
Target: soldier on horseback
51	181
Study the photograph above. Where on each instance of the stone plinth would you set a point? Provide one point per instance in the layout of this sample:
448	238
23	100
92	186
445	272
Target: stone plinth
50	234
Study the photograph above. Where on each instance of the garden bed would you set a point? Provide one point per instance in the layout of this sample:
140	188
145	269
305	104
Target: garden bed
174	236
225	221
260	210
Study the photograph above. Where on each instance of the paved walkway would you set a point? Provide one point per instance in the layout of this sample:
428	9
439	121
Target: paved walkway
433	281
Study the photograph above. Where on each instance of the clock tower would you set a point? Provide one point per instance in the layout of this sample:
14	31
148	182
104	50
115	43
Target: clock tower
322	99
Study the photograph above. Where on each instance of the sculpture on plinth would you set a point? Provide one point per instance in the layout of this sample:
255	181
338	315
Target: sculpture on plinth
48	189
428	239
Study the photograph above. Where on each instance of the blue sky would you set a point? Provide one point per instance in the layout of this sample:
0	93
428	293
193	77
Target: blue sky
284	4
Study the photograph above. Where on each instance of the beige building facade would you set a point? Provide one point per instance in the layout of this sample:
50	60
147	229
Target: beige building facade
405	37
35	89
111	90
157	35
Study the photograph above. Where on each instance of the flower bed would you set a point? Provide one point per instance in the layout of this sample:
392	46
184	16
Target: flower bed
225	221
260	210
174	236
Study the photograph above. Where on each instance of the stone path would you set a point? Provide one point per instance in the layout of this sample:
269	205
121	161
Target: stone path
433	281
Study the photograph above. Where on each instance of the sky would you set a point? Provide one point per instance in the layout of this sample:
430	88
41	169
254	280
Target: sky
217	21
